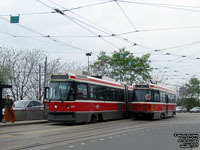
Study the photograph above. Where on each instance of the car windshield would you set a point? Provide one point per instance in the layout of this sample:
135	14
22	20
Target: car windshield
142	95
59	90
19	104
196	108
180	107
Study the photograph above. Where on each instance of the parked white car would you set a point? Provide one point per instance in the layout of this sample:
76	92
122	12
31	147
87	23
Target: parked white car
181	109
195	109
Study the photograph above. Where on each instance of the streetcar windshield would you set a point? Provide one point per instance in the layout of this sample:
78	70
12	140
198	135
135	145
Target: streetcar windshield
142	95
59	90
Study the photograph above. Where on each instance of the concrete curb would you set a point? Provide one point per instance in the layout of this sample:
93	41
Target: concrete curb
19	123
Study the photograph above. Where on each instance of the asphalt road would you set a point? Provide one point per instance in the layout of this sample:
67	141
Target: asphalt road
127	134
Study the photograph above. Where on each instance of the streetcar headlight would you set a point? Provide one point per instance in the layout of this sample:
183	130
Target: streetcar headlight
55	106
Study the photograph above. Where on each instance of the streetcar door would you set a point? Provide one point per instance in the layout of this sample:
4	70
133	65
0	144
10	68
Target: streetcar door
167	101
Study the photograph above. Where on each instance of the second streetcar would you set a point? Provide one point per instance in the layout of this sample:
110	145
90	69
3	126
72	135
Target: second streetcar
152	101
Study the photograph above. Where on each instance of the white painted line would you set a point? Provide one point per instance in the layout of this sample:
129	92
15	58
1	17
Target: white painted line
82	143
92	141
101	139
111	137
71	146
124	134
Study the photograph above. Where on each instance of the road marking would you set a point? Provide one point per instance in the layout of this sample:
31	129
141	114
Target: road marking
101	139
111	137
92	141
82	143
124	134
71	146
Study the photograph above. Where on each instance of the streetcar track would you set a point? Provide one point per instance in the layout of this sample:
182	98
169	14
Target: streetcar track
105	133
75	130
88	131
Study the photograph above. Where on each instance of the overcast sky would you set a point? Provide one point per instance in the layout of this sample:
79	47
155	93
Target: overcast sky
168	30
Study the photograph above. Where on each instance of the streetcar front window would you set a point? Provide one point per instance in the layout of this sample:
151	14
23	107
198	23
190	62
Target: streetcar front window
59	90
142	95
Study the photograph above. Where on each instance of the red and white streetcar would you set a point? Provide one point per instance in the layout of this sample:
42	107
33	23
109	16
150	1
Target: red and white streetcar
152	101
75	97
78	97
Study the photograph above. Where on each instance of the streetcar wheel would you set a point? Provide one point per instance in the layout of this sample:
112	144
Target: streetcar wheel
162	116
94	118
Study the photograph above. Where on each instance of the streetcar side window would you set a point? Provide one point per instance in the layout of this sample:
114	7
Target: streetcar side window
156	96
93	92
174	98
117	94
100	92
162	96
112	95
82	91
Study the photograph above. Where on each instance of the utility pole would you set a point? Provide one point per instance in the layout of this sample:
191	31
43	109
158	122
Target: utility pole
45	75
88	54
45	72
39	89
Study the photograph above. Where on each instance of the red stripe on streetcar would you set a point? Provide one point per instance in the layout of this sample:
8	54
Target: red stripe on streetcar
84	106
148	107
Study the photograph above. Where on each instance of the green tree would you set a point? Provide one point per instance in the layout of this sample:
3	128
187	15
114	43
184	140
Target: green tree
188	103
192	88
190	94
123	66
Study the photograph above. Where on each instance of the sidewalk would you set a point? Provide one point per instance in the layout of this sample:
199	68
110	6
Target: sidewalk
18	123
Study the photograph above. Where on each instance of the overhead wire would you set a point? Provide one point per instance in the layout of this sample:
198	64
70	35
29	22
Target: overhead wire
76	21
115	35
46	36
129	20
177	7
158	29
75	8
169	54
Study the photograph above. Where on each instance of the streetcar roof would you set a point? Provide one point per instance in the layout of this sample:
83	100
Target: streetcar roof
153	86
67	76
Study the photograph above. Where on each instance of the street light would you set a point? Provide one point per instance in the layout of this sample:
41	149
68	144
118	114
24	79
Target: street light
88	54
